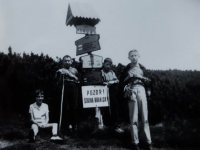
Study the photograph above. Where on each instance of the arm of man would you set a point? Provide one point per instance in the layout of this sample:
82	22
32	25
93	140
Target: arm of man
115	79
147	80
59	77
32	116
47	114
73	73
44	124
76	76
122	81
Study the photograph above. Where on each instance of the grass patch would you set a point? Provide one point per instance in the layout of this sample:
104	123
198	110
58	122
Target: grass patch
14	135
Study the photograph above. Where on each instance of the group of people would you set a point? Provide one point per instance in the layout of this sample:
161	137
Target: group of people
134	86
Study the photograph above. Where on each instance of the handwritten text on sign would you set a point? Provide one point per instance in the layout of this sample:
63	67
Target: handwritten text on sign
87	44
95	96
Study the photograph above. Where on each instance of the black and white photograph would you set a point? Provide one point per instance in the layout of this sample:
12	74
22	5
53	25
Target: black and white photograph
99	74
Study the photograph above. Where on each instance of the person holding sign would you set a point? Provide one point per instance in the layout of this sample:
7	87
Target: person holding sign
39	113
136	84
111	80
69	77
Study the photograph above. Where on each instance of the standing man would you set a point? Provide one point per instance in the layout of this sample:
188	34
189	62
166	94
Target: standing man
70	99
136	85
111	81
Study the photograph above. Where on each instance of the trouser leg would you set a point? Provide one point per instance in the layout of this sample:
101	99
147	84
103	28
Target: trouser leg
143	110
54	127
73	105
114	108
133	116
71	99
35	129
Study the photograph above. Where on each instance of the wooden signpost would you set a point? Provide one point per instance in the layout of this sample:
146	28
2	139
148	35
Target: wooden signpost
92	78
87	44
84	18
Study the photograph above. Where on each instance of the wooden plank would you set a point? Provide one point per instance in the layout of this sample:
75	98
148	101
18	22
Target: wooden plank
87	44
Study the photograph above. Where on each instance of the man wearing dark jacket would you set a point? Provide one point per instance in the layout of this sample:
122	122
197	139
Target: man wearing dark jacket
135	84
70	100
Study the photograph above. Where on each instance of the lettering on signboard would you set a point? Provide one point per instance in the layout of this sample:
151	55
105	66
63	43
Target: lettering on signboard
95	96
87	44
92	61
96	100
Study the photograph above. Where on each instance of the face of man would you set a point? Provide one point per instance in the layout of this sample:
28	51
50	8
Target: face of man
39	98
67	62
107	66
133	57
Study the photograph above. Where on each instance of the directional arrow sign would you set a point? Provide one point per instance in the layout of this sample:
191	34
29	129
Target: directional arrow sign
87	44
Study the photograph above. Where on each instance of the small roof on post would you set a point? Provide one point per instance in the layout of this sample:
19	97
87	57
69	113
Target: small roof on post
80	14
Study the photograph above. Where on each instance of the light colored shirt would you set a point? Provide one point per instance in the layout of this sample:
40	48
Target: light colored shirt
39	113
108	76
135	71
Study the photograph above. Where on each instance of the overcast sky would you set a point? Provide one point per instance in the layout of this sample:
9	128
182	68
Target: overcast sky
165	32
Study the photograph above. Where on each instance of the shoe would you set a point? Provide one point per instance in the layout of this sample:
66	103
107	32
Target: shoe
135	147
55	137
70	127
149	147
119	130
31	136
101	127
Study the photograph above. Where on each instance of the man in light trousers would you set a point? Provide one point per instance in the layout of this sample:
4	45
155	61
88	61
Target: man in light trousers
134	80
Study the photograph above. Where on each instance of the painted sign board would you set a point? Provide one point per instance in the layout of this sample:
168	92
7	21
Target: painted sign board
85	29
92	61
87	44
95	96
92	77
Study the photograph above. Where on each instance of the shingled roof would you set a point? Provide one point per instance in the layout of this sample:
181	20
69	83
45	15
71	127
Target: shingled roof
81	13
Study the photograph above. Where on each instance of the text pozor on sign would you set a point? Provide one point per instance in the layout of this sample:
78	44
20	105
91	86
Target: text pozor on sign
95	96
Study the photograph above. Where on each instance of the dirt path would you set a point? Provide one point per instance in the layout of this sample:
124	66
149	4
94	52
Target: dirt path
48	145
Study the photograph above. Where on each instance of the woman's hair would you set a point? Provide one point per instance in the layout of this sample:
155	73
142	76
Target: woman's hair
39	91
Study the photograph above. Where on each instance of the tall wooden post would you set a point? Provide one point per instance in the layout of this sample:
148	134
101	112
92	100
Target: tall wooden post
89	43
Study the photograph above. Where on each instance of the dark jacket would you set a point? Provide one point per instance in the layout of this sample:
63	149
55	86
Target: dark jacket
122	83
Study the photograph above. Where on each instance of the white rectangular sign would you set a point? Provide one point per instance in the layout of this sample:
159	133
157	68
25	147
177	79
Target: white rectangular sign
95	96
92	61
85	29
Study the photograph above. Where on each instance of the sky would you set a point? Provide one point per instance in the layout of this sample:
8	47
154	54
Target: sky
165	32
